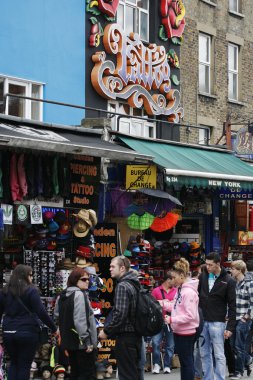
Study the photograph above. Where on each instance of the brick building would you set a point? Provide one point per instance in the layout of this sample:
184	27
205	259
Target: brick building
216	67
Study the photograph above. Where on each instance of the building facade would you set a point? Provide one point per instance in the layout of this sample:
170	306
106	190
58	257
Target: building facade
216	68
43	56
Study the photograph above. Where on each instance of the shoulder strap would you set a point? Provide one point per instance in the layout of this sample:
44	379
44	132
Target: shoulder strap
162	292
24	306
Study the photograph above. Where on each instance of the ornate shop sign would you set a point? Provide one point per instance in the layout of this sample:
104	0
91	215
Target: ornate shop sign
244	141
140	75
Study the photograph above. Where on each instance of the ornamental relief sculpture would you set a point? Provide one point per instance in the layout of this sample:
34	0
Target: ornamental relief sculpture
140	74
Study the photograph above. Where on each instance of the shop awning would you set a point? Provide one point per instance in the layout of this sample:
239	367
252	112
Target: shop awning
193	166
65	141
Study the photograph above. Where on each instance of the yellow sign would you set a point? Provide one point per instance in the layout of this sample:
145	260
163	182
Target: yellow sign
140	177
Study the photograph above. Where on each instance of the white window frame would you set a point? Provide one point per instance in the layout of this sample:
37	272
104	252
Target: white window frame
28	92
131	123
237	8
206	63
138	12
234	71
204	135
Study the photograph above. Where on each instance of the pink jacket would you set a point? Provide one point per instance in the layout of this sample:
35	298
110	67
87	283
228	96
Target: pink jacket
157	294
184	310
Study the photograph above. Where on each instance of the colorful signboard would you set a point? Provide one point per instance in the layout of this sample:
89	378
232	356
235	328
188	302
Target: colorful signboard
244	141
245	237
84	184
106	248
141	74
140	177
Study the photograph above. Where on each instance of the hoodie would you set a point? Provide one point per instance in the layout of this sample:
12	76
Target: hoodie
76	327
184	311
123	313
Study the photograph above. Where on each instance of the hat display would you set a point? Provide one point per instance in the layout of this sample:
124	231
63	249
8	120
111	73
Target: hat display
58	369
82	263
60	217
47	368
48	215
65	228
84	215
67	264
53	226
84	251
81	229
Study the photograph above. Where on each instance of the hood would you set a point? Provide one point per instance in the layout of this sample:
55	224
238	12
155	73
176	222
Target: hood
191	283
70	290
131	275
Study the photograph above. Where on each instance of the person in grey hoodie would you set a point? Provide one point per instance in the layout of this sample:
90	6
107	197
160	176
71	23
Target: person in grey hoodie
77	325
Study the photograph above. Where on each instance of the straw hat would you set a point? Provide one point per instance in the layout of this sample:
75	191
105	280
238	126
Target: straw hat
81	229
82	263
85	216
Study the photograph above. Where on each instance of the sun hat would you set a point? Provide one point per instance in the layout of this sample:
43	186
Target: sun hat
85	216
82	263
81	229
84	251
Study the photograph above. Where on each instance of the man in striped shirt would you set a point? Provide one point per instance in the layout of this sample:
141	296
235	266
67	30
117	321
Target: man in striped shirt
244	305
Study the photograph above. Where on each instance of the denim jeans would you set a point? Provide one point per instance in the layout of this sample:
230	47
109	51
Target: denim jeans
184	345
212	349
197	361
241	332
165	335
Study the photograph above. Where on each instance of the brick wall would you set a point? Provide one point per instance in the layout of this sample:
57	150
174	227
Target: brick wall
225	26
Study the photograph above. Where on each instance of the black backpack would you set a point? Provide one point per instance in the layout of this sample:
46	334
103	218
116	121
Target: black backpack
148	314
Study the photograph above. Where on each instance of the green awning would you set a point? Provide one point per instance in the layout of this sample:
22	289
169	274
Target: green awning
190	166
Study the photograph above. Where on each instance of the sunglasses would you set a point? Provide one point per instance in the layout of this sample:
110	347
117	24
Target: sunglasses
84	279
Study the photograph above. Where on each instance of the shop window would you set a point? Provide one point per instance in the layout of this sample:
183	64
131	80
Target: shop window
131	126
133	16
205	63
235	6
233	71
21	107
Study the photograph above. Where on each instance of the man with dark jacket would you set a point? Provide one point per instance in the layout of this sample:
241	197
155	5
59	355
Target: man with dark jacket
218	303
128	344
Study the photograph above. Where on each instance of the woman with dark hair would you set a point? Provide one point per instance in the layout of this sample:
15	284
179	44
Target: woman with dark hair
21	308
77	325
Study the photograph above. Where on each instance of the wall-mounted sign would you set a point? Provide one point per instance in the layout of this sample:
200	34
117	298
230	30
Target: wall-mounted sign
140	176
244	141
106	248
141	74
85	177
245	237
235	194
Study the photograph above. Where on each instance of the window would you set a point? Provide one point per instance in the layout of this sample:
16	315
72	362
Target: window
131	126
133	16
21	107
204	135
233	52
205	63
235	6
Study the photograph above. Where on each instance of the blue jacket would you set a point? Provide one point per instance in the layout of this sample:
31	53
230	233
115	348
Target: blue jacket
17	318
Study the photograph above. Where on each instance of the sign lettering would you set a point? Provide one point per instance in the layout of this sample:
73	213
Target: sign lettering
141	74
140	176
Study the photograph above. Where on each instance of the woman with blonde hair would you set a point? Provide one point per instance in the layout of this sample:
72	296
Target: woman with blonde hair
184	318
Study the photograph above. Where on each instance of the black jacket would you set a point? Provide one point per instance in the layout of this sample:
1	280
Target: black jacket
221	301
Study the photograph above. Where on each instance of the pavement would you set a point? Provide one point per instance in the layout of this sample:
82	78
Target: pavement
174	375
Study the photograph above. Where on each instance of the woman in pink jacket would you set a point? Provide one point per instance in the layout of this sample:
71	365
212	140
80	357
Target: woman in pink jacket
184	317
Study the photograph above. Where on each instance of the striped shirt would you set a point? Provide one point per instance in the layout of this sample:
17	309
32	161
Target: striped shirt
244	298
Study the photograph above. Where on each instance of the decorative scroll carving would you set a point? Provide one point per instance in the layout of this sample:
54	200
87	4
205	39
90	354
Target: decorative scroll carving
141	75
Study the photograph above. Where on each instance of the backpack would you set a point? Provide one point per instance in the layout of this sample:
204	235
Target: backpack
148	314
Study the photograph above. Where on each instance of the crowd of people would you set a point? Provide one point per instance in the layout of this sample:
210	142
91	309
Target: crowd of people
207	321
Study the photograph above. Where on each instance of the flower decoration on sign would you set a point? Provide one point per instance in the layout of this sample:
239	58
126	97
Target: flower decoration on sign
96	32
173	19
141	74
164	222
107	7
173	59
